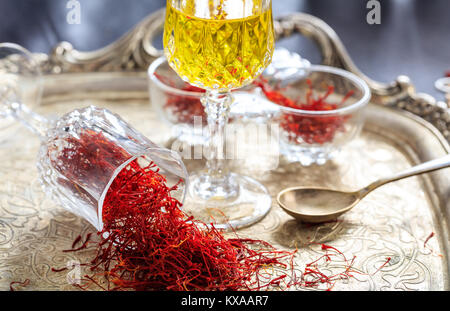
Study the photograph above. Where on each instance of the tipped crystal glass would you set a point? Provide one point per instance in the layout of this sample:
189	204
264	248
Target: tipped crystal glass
220	46
82	152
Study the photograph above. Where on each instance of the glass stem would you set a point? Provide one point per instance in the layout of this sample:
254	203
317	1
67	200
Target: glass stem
32	121
217	107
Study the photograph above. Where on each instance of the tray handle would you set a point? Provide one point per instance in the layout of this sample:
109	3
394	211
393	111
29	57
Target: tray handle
132	52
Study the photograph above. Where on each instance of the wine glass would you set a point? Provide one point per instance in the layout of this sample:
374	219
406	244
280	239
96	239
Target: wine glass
221	45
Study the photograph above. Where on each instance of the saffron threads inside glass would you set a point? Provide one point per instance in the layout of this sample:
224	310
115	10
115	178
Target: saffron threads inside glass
183	108
307	129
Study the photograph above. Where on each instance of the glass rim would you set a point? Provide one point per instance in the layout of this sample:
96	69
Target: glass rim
360	83
153	78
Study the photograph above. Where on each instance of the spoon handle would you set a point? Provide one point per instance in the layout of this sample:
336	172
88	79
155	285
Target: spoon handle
422	168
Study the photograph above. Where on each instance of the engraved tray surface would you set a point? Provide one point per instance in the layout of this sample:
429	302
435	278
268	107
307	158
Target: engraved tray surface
394	221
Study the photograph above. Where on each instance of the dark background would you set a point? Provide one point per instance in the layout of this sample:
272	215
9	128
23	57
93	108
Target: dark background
413	37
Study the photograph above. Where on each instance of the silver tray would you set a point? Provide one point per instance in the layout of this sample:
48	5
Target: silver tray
395	221
392	222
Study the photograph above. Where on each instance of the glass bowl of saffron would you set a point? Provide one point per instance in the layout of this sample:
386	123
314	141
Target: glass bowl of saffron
318	113
177	103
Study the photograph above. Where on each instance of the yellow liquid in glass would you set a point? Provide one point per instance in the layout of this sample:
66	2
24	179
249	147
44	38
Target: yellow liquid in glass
218	53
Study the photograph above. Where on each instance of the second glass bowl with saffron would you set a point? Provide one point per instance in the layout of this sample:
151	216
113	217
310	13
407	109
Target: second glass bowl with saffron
318	113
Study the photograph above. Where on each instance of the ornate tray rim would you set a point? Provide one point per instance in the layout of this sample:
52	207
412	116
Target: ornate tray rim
438	181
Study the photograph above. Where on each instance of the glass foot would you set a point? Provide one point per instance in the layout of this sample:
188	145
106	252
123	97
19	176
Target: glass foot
241	203
307	156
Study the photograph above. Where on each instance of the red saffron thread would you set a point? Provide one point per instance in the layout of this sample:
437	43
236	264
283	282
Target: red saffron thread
78	239
382	266
425	245
22	284
83	246
427	239
58	269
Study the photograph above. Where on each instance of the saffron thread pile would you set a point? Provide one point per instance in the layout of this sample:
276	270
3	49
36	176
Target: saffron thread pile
149	243
305	128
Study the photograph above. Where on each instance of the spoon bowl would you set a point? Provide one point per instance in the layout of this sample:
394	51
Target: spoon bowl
316	205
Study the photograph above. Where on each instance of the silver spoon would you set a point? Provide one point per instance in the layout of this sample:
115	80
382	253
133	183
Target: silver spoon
315	205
